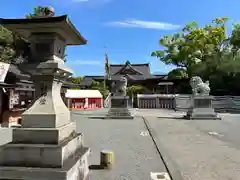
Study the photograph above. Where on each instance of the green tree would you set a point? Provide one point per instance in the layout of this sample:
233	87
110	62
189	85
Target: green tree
101	87
234	40
7	51
76	80
12	46
133	90
178	73
223	72
39	10
192	45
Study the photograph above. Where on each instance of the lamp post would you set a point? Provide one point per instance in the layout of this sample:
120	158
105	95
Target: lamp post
47	145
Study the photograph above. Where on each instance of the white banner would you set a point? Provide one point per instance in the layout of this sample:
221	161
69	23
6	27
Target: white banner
4	67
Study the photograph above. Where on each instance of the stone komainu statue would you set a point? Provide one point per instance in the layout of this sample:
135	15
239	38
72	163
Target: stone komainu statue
199	87
120	87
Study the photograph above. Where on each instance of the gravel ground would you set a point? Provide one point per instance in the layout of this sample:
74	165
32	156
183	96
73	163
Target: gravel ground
135	155
198	155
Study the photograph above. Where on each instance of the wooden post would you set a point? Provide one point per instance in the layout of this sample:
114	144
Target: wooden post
106	159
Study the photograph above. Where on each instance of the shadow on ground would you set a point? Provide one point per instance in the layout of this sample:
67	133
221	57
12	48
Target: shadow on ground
172	118
96	167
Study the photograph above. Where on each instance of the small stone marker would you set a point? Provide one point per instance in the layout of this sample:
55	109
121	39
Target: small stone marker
106	159
159	176
214	134
144	133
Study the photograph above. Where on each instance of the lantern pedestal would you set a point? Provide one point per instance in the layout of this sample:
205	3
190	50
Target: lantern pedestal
47	146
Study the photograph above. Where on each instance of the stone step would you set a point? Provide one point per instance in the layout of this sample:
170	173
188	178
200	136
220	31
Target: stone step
119	113
40	155
43	135
74	168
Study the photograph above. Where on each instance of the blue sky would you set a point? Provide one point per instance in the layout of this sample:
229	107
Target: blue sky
130	29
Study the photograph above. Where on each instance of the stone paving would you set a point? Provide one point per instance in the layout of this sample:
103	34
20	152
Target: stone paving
135	153
197	154
208	150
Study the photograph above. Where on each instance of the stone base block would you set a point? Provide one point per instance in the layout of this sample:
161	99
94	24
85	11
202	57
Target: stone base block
75	168
40	155
202	113
202	108
119	113
119	101
43	135
31	119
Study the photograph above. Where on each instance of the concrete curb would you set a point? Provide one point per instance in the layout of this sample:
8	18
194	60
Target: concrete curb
171	166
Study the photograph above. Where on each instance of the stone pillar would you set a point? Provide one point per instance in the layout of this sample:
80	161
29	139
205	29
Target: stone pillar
102	104
69	103
86	103
48	104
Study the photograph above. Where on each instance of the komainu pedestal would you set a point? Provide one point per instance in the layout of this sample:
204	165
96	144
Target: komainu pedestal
201	108
119	108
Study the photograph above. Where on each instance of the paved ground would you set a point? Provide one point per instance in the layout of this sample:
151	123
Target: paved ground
200	149
136	155
208	150
227	130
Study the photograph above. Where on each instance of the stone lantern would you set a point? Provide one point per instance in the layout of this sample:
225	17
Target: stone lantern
47	145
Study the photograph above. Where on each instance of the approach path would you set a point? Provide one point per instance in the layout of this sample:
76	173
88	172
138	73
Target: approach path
135	153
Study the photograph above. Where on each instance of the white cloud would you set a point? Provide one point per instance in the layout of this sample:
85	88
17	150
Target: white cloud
144	24
87	62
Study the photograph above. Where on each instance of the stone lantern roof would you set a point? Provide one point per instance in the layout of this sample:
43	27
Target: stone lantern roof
55	24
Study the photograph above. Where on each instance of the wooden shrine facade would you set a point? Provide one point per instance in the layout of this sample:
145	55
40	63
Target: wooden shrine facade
137	74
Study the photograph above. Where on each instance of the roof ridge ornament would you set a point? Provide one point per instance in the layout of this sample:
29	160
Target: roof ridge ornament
127	62
128	66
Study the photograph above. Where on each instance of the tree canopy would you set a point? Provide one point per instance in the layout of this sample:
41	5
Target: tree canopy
193	44
135	89
11	46
204	51
101	87
41	11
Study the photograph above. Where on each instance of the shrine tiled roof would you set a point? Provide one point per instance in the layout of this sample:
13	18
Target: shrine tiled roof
88	80
134	72
143	69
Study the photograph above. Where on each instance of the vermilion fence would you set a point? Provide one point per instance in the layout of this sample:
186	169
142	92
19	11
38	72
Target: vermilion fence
85	103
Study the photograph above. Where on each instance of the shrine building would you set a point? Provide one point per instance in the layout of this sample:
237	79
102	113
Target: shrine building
136	74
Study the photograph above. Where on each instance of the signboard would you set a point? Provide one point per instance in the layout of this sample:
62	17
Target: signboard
13	99
4	67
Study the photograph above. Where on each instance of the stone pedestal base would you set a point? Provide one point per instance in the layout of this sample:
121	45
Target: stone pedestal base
45	153
202	109
75	168
119	108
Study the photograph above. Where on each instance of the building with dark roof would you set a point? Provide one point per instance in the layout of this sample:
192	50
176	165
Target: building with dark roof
135	73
